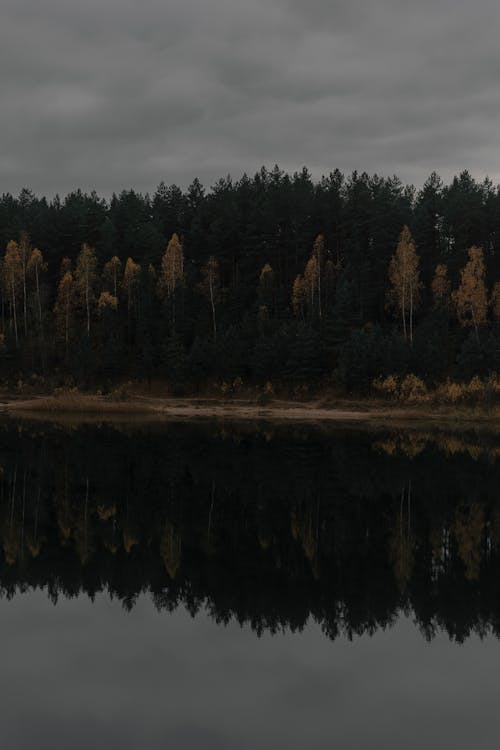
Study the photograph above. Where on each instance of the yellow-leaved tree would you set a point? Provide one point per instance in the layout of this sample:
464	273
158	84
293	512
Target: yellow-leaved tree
311	282
172	274
111	274
130	284
210	287
25	251
64	305
298	296
85	280
404	277
12	277
36	267
471	298
319	255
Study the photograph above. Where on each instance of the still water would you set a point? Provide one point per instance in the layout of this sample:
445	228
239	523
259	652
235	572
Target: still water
225	586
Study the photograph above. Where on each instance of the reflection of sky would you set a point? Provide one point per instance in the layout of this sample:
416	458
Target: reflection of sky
82	675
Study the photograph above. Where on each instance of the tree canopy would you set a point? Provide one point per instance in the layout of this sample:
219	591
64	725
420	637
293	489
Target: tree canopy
347	278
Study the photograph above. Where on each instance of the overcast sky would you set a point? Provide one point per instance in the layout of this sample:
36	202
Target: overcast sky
111	94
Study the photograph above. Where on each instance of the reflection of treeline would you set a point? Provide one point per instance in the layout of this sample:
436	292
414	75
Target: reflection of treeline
412	443
266	527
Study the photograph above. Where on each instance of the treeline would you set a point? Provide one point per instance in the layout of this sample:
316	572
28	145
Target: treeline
269	528
274	278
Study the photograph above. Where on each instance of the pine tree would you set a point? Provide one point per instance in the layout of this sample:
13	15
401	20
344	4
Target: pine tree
330	275
266	292
441	287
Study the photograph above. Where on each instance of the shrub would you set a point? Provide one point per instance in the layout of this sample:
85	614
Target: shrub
387	386
473	392
412	389
450	392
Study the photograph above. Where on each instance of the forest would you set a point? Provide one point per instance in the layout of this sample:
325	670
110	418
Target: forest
274	279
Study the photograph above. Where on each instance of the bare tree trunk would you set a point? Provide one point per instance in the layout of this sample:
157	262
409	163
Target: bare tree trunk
39	304
212	303
319	288
87	302
403	308
24	300
411	314
476	330
14	311
67	327
38	300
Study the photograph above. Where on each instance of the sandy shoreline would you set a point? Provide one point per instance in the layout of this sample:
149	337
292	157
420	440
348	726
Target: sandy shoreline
144	408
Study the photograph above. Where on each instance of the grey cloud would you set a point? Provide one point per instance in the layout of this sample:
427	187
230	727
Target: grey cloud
111	93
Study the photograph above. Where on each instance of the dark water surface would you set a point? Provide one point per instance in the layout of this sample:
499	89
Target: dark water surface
221	586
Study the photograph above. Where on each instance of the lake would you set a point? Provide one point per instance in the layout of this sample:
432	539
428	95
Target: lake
248	586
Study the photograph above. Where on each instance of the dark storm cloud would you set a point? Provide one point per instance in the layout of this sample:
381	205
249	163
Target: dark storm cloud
115	93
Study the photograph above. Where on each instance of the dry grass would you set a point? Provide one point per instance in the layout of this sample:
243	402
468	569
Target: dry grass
79	403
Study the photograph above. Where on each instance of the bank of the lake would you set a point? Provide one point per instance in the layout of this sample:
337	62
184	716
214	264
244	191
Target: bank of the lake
158	409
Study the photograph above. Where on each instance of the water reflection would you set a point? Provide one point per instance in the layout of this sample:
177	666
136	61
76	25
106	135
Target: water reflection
272	527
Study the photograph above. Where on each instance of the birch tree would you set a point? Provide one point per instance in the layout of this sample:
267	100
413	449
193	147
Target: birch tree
405	286
130	284
311	283
36	267
298	296
13	274
64	306
172	274
111	275
471	298
319	255
85	279
210	286
25	250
